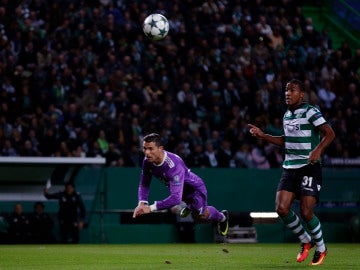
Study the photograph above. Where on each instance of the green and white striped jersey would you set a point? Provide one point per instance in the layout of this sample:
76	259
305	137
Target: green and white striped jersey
301	134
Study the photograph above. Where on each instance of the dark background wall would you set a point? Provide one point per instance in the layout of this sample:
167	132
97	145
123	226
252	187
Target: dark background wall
110	195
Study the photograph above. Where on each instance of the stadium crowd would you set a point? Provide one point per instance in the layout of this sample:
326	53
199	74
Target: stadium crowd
80	79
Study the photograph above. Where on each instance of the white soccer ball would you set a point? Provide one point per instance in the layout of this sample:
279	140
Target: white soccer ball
156	26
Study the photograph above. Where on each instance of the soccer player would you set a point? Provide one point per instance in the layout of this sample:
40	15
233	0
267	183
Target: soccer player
184	186
302	174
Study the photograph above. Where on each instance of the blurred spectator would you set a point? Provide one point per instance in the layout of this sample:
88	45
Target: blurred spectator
41	225
103	142
29	150
79	152
6	127
224	155
310	93
90	114
8	150
198	159
328	72
258	155
18	229
231	95
107	106
263	27
274	155
187	101
3	229
215	139
276	40
71	213
72	113
326	95
49	143
326	40
95	150
63	150
17	141
66	68
243	157
210	155
345	50
112	155
133	157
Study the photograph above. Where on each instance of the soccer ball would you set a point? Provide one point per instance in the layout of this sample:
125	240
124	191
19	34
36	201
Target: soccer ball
156	26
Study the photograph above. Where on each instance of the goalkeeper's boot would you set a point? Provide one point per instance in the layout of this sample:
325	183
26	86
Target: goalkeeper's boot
223	226
185	212
304	251
318	257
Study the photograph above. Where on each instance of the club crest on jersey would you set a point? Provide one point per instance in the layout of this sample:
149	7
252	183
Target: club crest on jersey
291	126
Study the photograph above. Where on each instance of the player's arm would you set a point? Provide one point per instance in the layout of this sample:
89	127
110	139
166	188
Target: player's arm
143	194
144	189
48	195
327	136
176	188
258	133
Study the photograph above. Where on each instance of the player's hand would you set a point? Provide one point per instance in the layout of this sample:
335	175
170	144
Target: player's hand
255	131
141	210
137	211
314	157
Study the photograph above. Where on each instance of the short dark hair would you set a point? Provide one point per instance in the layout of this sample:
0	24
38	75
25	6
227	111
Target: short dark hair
153	137
298	83
69	184
39	203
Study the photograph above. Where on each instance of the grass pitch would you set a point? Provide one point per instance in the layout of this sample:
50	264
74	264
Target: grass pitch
171	256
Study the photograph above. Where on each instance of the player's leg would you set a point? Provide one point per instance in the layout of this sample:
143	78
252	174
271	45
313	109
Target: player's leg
197	203
184	210
314	226
181	209
223	225
311	185
211	214
206	213
288	190
284	200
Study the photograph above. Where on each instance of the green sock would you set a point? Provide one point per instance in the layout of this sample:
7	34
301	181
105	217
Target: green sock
314	226
292	221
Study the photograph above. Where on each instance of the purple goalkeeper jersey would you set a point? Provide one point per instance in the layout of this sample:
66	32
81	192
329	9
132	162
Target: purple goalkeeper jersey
175	175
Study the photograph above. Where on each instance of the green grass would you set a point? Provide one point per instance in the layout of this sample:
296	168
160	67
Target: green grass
171	256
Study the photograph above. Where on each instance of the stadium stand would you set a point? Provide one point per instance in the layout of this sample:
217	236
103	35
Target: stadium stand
79	78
